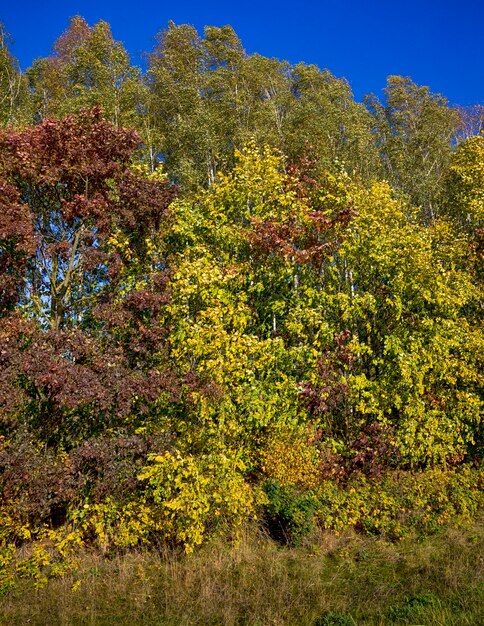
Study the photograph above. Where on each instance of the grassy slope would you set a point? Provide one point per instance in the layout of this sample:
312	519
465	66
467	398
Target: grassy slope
330	580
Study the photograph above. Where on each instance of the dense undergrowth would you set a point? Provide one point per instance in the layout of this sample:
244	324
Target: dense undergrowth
328	581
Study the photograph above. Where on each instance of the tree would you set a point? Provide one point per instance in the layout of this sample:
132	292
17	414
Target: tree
175	75
81	292
87	68
464	196
413	130
14	96
325	121
471	122
409	311
197	91
249	251
72	183
463	200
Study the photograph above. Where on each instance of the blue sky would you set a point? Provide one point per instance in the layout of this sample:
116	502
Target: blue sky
437	43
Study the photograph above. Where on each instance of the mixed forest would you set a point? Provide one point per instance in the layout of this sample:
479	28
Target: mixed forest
231	294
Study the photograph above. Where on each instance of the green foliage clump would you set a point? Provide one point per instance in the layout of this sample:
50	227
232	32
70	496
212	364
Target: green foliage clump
408	609
334	619
288	515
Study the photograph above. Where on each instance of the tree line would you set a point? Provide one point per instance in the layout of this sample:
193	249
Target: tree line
202	96
228	288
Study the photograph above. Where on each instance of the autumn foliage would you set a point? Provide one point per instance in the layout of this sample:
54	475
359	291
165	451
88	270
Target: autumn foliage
200	333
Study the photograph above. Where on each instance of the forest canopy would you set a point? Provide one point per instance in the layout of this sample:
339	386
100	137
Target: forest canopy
229	291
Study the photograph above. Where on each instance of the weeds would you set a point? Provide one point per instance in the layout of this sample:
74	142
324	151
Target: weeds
329	580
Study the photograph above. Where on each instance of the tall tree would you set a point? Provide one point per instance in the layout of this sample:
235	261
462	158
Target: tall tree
325	121
175	74
14	95
413	131
197	97
87	67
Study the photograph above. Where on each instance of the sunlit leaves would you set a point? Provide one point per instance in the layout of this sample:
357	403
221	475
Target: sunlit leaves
413	130
465	184
87	68
78	191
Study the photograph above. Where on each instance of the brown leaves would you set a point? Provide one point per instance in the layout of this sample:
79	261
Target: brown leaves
328	394
68	187
314	234
308	242
67	190
38	486
68	370
17	244
69	151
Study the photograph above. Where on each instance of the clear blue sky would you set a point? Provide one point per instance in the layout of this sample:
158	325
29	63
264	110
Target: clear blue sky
439	43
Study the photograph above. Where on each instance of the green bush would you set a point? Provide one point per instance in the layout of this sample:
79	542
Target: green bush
408	609
289	514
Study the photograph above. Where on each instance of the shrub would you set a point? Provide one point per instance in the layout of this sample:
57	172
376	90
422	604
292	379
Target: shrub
196	497
401	502
288	513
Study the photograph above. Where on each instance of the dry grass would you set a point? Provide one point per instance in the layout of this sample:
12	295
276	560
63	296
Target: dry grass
330	580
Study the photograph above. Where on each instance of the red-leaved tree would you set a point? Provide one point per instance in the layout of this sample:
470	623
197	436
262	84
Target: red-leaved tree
74	353
68	186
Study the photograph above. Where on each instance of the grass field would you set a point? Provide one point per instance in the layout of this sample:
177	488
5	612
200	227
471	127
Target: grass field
330	580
